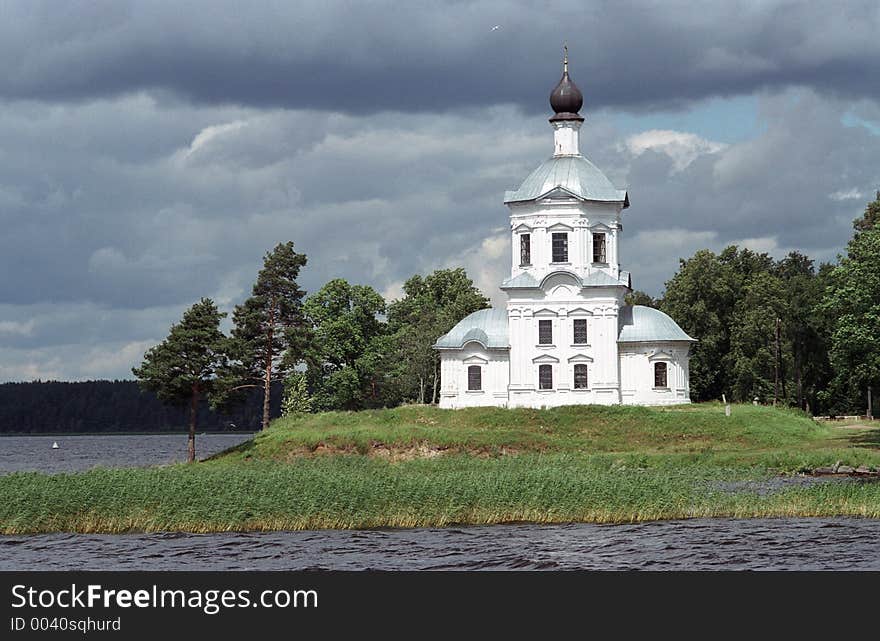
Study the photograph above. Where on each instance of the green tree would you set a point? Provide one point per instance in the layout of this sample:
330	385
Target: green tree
430	307
344	322
806	330
700	297
182	368
871	218
296	399
269	328
638	297
753	361
853	301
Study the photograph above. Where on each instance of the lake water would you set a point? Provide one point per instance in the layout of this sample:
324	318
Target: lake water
76	453
698	544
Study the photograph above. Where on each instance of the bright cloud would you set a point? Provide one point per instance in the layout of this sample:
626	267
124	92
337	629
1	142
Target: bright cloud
682	147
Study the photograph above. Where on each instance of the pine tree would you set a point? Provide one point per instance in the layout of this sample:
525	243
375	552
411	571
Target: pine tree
269	329
183	367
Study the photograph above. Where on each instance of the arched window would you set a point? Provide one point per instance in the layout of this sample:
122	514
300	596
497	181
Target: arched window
580	376
475	378
660	375
545	377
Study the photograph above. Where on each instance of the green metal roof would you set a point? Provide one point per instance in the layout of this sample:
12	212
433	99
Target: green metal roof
636	324
640	324
574	174
488	327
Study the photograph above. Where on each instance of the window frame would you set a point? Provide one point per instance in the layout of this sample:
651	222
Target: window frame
664	367
574	332
545	322
542	368
600	259
479	370
553	237
525	250
586	375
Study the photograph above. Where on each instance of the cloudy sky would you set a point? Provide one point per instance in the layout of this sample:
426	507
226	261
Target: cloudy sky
151	152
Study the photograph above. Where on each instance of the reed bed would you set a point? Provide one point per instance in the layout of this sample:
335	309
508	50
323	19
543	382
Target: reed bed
602	465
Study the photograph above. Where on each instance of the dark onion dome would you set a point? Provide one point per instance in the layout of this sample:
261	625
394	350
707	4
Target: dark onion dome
566	99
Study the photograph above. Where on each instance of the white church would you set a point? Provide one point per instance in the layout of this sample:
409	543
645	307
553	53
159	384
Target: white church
566	336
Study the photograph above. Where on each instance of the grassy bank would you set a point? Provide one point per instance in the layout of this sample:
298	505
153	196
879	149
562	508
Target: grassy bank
417	466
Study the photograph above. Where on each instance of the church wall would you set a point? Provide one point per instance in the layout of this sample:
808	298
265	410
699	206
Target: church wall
579	220
561	302
637	373
495	367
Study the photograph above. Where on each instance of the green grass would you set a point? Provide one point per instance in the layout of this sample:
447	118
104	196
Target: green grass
420	466
582	429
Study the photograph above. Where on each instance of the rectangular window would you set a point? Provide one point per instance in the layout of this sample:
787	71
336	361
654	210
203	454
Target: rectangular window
580	376
545	332
660	375
545	377
580	331
475	378
599	248
525	249
560	247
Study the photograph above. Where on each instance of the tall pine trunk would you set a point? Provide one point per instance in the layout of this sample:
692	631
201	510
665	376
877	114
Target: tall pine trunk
267	388
267	375
193	417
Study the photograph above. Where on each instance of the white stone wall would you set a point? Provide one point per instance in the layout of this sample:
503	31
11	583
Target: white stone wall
637	373
495	365
561	303
580	220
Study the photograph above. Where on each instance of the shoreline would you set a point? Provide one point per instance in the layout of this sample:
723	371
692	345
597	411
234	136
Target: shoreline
425	467
540	489
455	525
183	432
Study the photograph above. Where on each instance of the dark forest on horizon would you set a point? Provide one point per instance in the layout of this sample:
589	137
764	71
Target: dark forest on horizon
112	406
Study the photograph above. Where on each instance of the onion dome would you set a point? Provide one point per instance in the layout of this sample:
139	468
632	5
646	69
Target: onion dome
566	99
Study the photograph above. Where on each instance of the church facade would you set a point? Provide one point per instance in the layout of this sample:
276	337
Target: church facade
566	336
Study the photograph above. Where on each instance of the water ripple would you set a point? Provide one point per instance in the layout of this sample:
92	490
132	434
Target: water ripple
698	544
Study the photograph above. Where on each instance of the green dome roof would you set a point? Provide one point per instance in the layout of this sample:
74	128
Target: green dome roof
574	174
488	327
640	324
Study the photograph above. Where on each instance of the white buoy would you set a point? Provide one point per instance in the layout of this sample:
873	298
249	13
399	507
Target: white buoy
55	445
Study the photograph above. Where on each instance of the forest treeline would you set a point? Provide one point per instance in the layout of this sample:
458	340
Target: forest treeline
110	406
785	331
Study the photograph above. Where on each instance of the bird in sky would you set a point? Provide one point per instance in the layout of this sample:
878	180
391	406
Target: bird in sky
495	28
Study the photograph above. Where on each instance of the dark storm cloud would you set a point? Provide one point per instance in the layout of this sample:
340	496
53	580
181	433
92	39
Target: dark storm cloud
151	153
366	57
